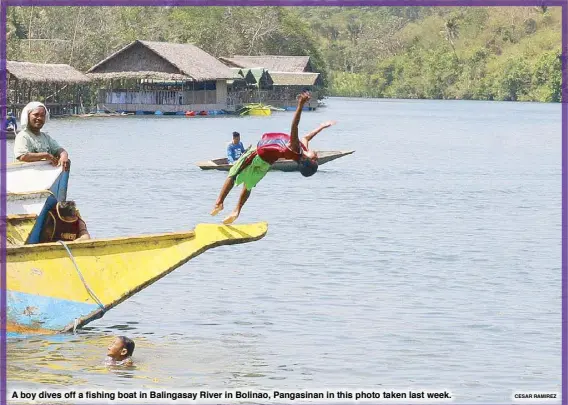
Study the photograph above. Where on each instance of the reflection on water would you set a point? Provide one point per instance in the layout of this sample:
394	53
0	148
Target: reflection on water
428	259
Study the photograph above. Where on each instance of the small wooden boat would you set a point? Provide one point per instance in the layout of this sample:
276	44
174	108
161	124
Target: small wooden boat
281	165
255	109
260	111
55	287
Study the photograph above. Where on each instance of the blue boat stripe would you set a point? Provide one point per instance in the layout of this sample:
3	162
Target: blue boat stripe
36	311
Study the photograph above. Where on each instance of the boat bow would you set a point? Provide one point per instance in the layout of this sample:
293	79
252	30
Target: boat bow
51	289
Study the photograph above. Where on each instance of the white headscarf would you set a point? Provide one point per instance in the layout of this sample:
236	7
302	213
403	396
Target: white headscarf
28	109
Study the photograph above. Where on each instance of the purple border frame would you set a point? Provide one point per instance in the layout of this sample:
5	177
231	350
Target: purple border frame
3	158
290	3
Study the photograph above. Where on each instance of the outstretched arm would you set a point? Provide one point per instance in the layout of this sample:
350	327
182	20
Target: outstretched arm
294	140
306	139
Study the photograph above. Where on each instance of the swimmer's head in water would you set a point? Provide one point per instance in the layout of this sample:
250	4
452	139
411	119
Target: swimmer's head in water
121	348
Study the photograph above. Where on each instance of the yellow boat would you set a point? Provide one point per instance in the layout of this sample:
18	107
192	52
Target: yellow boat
260	111
19	228
255	109
58	287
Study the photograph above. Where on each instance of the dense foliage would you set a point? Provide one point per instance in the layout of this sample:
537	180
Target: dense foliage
404	52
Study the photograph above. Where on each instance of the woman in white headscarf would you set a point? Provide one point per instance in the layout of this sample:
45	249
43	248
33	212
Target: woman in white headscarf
32	144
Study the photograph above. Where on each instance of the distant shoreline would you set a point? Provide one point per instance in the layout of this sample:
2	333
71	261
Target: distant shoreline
443	99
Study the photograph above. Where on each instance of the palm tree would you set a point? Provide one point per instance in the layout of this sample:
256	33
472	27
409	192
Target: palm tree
451	32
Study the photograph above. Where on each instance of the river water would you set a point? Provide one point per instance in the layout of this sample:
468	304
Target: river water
430	259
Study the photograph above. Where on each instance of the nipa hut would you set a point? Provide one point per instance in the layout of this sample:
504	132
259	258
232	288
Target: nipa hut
294	74
147	77
60	87
287	85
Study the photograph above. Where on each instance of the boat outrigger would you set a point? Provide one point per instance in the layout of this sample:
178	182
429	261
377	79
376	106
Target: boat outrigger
281	165
58	287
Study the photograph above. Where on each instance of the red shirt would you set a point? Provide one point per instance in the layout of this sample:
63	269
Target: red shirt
61	230
274	146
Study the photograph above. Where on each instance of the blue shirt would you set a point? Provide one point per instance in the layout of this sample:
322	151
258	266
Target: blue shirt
11	121
234	152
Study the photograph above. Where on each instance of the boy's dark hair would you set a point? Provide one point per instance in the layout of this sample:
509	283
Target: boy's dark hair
308	168
67	208
235	134
128	344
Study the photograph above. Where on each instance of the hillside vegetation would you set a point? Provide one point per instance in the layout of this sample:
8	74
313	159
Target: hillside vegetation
492	53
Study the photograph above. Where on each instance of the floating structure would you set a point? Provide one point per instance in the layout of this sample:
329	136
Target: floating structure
287	85
284	165
162	78
59	86
145	77
284	78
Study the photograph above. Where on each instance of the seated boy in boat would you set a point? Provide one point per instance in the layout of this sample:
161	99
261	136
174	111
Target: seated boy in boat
63	222
120	352
253	165
235	148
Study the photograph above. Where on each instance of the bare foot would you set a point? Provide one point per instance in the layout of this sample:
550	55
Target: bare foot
218	208
231	218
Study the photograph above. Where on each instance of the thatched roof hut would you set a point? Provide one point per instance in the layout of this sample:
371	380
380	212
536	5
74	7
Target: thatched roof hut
161	61
60	87
271	62
44	73
295	79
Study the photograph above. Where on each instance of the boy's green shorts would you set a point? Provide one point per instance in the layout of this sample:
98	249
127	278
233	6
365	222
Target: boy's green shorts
249	174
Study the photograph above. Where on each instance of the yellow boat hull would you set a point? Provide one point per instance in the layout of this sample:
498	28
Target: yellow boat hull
260	111
19	228
47	293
